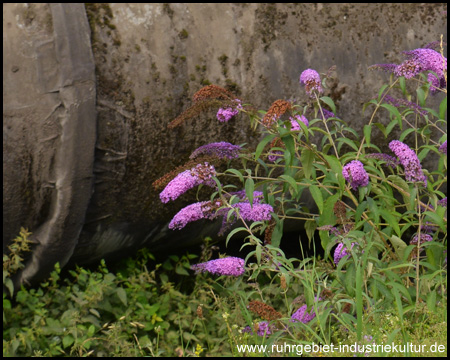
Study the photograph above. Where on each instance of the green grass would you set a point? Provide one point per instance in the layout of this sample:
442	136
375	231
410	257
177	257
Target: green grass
147	309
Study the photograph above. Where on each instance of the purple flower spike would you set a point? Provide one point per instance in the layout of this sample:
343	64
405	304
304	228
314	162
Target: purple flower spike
219	149
442	202
301	315
423	238
201	174
294	122
409	160
263	329
390	160
311	79
443	148
418	61
229	266
408	69
259	212
224	115
340	252
326	114
430	60
193	212
354	173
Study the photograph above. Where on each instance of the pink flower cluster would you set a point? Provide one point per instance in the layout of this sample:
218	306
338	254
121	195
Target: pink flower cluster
418	61
302	315
311	79
430	60
443	148
409	160
225	114
390	160
355	173
229	266
294	122
188	179
206	210
423	238
340	252
193	212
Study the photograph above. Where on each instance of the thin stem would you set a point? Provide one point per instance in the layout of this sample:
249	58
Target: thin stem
326	127
373	116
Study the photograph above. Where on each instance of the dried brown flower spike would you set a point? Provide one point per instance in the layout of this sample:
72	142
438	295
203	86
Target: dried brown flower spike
278	108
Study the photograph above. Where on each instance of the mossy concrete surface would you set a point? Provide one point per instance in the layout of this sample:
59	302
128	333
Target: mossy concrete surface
149	61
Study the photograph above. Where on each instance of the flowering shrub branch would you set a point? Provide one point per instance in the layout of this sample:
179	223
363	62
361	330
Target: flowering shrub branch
378	211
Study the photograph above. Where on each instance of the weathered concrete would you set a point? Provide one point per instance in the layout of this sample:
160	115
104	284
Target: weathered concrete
49	98
149	60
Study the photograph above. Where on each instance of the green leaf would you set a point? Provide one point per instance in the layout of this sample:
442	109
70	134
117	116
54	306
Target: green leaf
180	270
307	158
436	219
258	254
122	295
395	113
334	163
262	145
349	142
390	126
443	108
237	173
402	82
421	96
406	133
399	245
391	220
310	227
234	231
367	132
291	182
431	301
328	217
91	331
249	189
381	128
317	196
277	234
359	301
290	146
329	102
67	341
8	283
380	93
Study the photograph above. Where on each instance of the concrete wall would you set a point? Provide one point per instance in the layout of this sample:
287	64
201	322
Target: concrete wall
149	61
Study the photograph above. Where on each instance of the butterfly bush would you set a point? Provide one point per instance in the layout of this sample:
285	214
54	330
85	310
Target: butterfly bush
443	147
223	150
423	238
340	252
311	79
264	329
225	114
409	160
248	212
229	266
302	315
288	162
354	173
188	179
418	61
294	122
388	159
190	213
